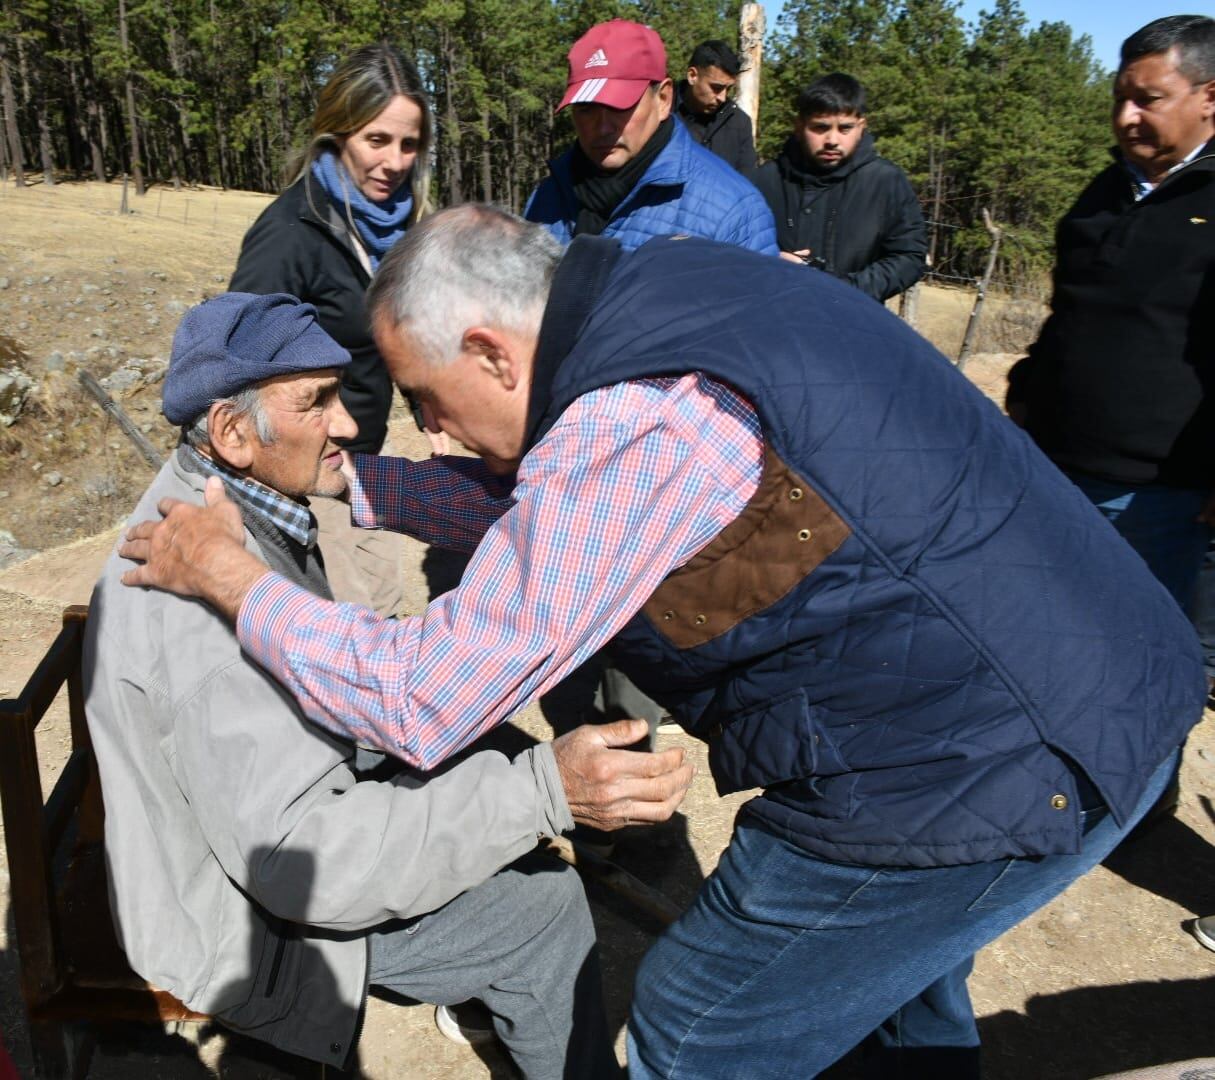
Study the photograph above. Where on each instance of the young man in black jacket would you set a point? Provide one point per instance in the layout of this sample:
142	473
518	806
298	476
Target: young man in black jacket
838	205
703	103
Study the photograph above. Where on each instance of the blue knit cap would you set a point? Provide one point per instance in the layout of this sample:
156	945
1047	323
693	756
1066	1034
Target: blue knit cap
232	341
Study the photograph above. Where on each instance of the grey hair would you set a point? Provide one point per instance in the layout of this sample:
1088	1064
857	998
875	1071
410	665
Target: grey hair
469	265
248	403
1193	36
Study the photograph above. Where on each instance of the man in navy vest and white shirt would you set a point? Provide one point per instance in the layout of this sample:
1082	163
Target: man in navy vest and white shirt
828	555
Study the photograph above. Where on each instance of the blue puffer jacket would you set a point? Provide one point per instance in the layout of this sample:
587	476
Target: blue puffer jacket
918	632
687	189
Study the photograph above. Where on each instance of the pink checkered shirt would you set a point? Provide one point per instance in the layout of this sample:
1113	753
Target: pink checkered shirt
629	484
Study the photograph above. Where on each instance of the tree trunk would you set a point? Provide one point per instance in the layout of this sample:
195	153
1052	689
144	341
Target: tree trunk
751	49
42	112
94	118
451	124
512	172
182	139
487	171
103	127
221	137
132	120
12	134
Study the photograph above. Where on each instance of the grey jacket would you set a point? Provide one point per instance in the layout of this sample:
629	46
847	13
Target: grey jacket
246	859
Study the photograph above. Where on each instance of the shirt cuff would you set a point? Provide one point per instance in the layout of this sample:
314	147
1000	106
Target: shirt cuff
368	469
267	616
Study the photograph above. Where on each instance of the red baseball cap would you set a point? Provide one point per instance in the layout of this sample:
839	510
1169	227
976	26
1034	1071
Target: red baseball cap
613	63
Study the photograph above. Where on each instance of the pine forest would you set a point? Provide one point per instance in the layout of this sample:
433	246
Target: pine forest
997	114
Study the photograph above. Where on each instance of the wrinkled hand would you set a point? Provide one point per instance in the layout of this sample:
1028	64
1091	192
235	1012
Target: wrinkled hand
194	551
608	787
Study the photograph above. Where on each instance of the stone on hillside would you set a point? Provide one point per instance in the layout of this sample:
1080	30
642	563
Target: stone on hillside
15	387
3	283
54	362
10	552
102	487
176	307
122	379
53	479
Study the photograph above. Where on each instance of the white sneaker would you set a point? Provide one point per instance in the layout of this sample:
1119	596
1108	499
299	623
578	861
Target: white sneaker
472	1025
1204	931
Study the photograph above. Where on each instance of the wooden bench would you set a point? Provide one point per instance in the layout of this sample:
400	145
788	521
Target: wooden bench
73	973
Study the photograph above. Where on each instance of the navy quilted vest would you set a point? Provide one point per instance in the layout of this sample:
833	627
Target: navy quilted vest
918	627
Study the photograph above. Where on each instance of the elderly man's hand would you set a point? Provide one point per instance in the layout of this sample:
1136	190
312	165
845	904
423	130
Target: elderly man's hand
195	551
609	787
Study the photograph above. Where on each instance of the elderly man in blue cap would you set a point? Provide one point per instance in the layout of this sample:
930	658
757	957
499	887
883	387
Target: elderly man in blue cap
256	871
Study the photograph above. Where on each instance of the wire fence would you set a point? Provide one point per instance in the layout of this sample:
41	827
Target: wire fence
1036	289
195	208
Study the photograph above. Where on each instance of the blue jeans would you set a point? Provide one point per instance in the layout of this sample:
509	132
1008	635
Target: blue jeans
784	961
1204	610
1159	523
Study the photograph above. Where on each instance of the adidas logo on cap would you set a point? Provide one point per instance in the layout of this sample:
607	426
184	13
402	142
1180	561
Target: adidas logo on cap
597	59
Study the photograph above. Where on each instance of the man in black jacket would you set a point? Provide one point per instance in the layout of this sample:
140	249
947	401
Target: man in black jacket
703	103
1115	388
838	205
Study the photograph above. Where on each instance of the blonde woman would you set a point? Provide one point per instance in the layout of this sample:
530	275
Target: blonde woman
355	188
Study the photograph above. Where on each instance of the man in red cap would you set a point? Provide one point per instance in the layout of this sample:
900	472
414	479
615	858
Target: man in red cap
634	173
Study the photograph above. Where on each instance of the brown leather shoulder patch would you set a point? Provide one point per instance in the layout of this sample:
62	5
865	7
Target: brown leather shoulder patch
782	534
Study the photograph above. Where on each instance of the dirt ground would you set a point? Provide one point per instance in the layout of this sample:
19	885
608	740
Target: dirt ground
1103	979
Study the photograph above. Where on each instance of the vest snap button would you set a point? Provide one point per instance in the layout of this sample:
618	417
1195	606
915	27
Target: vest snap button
668	615
700	620
1059	802
795	494
804	535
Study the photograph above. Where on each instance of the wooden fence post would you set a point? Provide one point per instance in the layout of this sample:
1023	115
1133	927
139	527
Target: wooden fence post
909	303
972	326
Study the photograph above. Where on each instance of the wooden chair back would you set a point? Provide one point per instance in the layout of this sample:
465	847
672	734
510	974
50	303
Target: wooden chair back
70	965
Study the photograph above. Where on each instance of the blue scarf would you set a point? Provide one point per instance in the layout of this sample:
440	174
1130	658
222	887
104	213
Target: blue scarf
380	224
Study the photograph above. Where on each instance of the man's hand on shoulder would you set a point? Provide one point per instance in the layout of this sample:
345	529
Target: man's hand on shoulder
608	787
194	551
